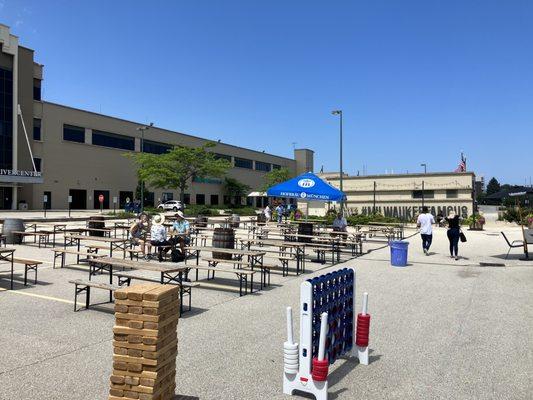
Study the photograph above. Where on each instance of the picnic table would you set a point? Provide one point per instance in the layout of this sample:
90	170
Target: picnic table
528	239
6	254
299	249
114	243
169	273
254	257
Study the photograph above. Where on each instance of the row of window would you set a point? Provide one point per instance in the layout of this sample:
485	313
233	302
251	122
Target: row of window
430	194
100	138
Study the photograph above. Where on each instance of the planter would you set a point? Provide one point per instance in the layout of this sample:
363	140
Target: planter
476	227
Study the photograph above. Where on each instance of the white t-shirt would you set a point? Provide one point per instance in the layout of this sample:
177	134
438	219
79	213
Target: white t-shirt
425	221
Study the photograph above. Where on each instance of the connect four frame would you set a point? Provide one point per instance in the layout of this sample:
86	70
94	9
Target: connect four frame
327	332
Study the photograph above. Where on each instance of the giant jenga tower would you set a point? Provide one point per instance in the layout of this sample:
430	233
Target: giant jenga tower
145	342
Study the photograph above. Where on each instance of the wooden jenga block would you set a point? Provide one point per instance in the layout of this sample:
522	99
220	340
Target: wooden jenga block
145	343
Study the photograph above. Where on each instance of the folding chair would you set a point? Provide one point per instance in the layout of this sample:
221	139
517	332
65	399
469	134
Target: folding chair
512	244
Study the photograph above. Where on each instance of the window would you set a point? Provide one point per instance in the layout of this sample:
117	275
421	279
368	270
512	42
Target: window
222	156
73	133
452	193
214	199
262	166
155	147
36	129
107	139
200	199
6	127
426	194
276	166
37	162
244	163
165	196
226	200
187	198
37	89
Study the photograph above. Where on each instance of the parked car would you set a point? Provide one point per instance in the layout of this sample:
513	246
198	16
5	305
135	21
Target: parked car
173	205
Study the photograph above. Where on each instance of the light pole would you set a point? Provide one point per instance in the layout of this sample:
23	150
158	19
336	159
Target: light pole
425	168
142	129
339	113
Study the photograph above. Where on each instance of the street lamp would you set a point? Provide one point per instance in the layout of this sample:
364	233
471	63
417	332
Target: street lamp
425	168
142	129
339	113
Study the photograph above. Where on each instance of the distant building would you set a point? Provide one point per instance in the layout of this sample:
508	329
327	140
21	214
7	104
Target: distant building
404	195
79	154
524	194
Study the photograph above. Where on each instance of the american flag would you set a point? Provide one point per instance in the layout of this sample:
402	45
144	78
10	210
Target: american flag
462	165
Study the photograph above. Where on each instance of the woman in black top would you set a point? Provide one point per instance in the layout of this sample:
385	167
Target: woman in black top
453	233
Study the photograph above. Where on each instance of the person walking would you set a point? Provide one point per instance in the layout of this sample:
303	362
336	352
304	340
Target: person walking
268	213
454	233
279	210
425	223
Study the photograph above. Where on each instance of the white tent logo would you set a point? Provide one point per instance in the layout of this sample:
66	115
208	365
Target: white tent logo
306	183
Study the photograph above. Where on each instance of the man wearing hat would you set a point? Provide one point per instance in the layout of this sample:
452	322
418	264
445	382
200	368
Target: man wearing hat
180	231
158	235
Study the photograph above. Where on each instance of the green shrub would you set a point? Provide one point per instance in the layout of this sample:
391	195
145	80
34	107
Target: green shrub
121	214
194	210
360	219
241	211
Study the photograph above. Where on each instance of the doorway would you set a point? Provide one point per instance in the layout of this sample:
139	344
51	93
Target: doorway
104	193
6	198
79	199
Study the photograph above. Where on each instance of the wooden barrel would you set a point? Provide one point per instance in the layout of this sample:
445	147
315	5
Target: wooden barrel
235	221
223	238
305	229
261	219
201	221
96	222
11	225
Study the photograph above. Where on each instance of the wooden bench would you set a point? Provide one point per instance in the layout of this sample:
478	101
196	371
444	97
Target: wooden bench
265	268
124	278
242	274
60	252
44	236
81	286
29	265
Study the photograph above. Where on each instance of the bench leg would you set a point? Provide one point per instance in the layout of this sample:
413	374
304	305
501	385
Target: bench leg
26	275
87	297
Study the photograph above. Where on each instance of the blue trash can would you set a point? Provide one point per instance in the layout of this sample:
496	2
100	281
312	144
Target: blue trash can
398	253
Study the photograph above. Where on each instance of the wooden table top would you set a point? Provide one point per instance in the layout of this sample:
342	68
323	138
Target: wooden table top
224	250
7	249
98	238
144	265
274	242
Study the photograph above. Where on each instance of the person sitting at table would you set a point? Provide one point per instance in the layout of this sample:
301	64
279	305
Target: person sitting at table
158	236
339	223
139	230
181	231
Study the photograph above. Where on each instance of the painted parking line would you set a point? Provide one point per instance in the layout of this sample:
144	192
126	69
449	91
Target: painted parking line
40	296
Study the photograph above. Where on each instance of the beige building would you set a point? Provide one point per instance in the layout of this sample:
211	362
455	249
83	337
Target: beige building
404	195
51	153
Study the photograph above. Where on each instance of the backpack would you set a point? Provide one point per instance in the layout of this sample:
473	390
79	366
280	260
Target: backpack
177	256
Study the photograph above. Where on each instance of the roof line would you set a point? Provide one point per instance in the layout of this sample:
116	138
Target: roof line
167	130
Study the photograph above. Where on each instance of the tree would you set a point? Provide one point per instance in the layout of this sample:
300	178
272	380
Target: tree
233	189
493	186
276	176
177	167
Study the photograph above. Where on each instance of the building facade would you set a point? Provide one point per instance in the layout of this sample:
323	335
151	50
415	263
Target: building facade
51	154
403	195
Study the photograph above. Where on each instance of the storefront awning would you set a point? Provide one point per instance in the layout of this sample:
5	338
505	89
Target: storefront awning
257	194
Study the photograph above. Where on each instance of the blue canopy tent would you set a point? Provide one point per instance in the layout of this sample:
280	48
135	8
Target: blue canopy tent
306	187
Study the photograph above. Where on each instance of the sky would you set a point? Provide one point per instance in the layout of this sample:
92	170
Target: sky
418	81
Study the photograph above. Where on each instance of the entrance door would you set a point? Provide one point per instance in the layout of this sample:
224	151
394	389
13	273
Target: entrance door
6	198
48	203
79	199
97	193
122	196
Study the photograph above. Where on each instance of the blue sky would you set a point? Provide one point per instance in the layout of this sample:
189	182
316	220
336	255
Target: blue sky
418	81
